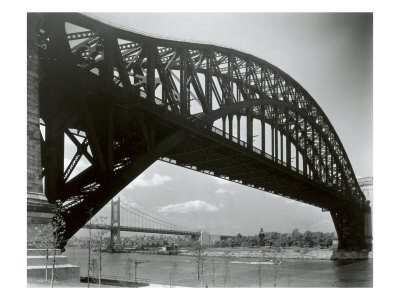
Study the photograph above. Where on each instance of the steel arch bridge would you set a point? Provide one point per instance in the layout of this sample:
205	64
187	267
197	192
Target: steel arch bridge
126	99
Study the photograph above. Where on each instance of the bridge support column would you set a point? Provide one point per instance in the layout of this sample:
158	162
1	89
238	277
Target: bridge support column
115	236
354	233
39	210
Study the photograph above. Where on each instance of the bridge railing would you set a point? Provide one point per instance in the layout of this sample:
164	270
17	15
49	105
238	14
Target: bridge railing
165	37
244	144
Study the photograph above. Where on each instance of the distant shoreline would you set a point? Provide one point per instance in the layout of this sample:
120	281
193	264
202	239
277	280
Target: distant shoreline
266	253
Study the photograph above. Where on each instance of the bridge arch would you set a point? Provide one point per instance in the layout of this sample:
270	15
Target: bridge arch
291	129
133	68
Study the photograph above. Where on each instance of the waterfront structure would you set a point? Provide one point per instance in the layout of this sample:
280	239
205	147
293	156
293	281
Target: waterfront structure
127	96
136	221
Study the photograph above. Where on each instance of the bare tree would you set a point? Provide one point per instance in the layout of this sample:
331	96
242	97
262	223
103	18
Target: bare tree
200	261
277	262
90	210
288	263
172	274
93	265
45	237
213	271
226	270
99	244
58	225
128	267
259	268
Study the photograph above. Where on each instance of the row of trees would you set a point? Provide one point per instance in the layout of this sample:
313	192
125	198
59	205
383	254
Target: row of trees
202	264
51	236
276	239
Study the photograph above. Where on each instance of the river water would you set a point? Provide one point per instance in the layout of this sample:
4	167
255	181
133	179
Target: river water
233	272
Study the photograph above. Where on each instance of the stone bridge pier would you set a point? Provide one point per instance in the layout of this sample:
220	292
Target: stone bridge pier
39	210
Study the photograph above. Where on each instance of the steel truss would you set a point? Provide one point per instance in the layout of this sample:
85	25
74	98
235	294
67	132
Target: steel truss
168	76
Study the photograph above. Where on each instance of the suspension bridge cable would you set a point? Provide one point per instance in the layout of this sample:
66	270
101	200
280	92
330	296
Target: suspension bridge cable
151	220
129	208
133	211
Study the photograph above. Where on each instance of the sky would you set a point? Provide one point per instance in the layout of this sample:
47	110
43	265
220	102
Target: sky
330	55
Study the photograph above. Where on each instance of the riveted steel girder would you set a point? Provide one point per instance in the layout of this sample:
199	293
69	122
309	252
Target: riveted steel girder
169	75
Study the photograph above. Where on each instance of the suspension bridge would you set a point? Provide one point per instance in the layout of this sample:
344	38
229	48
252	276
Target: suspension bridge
127	218
125	100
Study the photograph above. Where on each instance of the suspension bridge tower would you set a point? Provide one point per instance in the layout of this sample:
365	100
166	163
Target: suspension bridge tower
115	238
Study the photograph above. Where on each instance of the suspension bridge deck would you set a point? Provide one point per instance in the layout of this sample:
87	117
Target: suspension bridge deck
142	229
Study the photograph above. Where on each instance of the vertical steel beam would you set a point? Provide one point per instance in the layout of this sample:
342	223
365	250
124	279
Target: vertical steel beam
320	155
313	152
185	110
249	110
230	124
305	148
272	140
249	127
151	67
224	125
238	127
332	177
164	98
208	80
288	141
262	80
230	79
320	159
297	142
281	136
326	163
276	133
262	112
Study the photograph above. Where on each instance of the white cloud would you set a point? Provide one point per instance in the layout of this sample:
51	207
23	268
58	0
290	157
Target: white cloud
187	207
155	180
224	191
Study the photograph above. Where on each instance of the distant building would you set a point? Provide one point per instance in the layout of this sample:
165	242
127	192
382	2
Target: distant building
208	239
335	243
